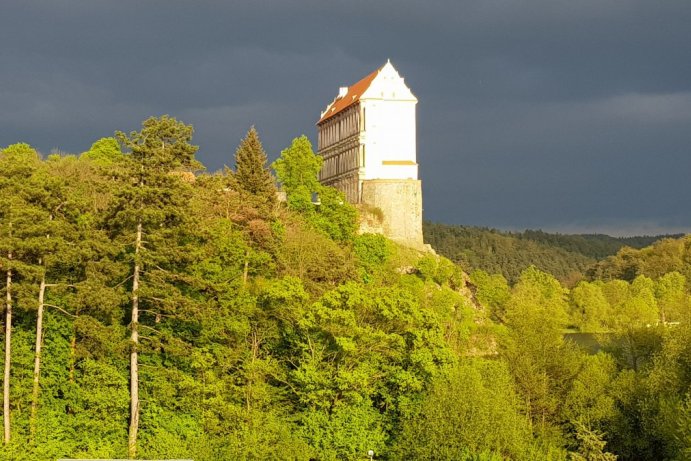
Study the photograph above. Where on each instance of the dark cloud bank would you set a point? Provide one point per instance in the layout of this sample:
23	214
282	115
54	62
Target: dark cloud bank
561	115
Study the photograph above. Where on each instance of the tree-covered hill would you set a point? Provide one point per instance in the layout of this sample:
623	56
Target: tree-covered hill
566	257
155	311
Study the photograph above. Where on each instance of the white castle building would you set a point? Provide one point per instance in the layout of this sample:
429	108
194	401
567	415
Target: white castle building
366	137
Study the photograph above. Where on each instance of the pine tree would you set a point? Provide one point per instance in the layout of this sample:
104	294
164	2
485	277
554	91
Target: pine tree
151	200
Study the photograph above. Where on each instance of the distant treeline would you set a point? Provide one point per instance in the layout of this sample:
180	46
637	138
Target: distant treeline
567	257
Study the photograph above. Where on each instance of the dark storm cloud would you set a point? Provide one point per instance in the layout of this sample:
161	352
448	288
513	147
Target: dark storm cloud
537	113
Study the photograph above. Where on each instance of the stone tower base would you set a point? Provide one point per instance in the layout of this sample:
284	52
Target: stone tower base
400	202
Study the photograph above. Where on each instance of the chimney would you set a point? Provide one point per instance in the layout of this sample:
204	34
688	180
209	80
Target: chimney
342	91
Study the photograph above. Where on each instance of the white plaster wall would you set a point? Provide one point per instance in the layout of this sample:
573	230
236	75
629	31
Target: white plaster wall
388	111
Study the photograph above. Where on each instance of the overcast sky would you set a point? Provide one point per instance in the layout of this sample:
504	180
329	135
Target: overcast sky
566	115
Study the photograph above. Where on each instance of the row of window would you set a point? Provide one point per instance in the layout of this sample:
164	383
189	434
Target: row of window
343	162
340	127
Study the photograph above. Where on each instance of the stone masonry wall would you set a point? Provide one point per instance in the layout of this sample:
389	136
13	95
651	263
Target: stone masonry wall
400	201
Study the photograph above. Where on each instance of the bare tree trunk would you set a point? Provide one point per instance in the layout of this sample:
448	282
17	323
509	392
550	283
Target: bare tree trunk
73	353
245	272
8	355
37	358
73	348
249	392
134	363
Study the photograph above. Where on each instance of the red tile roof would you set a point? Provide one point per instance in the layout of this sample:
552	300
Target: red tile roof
353	96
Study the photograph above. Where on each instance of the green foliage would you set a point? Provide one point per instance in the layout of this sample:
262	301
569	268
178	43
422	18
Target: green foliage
652	420
592	447
24	213
662	257
272	332
492	291
484	417
589	402
367	341
297	169
372	252
347	432
597	246
314	258
163	145
537	300
334	216
251	174
438	269
591	309
105	152
19	150
542	363
503	253
672	299
261	435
